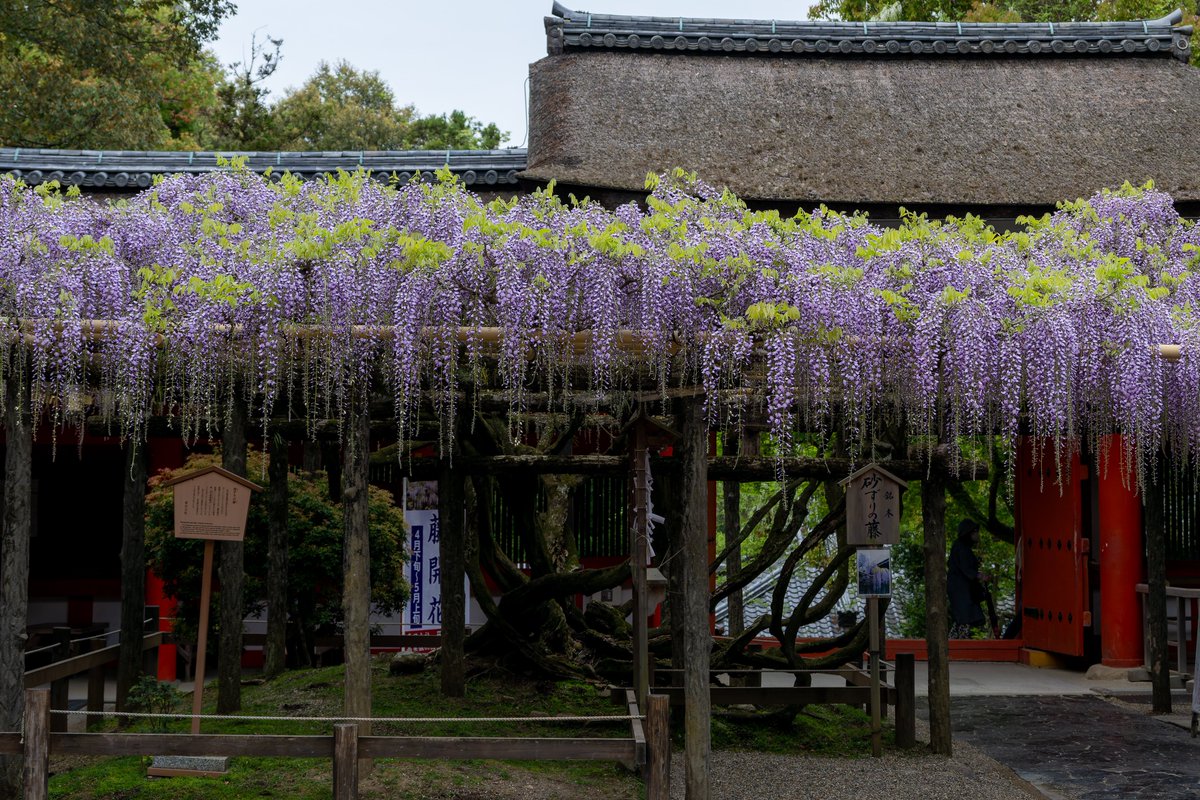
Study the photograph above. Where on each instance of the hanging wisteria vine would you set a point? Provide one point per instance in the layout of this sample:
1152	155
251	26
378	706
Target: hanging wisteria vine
207	288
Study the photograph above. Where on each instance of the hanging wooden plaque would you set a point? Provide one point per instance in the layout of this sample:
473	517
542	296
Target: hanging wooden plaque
212	503
873	507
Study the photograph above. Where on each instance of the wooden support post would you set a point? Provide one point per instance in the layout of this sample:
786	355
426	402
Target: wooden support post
95	690
232	570
202	637
876	720
14	561
698	637
345	761
60	689
36	772
883	674
906	700
937	621
277	558
1156	600
151	615
639	534
451	503
658	747
748	447
356	569
131	661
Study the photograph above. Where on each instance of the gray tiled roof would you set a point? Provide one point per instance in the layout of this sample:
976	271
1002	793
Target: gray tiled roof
129	169
583	30
757	601
756	598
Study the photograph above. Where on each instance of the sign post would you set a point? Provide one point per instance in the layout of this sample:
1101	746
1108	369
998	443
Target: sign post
210	504
873	523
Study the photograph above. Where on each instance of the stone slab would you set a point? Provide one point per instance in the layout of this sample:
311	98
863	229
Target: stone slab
176	766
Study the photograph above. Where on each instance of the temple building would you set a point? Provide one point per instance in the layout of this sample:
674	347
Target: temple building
996	120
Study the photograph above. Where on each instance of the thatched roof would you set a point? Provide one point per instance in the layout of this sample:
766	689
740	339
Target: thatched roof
972	130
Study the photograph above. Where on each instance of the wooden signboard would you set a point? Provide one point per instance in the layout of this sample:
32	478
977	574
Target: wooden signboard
210	504
873	507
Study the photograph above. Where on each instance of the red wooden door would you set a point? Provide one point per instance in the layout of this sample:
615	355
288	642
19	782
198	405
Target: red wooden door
1054	576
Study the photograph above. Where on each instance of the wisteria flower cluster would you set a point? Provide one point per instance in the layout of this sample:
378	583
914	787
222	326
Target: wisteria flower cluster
311	297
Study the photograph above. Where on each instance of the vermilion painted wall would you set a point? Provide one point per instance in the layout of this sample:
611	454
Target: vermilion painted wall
1121	563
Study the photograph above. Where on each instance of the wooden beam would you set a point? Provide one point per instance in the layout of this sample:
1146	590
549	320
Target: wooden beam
719	468
204	744
523	749
83	662
779	695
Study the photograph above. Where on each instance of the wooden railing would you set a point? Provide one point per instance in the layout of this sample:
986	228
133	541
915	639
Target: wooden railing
745	688
1181	627
59	673
345	747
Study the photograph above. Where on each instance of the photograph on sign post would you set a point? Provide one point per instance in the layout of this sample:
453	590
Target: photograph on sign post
875	572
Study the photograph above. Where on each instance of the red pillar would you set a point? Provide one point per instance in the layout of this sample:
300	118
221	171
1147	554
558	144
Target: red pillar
1120	528
156	596
163	453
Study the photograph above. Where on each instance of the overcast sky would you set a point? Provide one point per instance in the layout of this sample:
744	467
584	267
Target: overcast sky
469	54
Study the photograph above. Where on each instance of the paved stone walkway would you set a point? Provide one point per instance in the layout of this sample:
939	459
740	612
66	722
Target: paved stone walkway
1082	747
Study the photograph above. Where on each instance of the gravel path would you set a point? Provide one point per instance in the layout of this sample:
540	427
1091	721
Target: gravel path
917	776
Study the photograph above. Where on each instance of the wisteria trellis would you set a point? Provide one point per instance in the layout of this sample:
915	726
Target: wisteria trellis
326	291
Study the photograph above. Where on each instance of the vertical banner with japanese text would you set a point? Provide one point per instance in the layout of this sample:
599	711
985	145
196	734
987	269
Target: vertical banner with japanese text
424	611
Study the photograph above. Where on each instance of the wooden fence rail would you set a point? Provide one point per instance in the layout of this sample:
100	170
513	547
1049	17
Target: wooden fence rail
746	689
345	747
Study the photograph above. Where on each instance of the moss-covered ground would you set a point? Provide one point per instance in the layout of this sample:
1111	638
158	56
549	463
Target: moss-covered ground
837	730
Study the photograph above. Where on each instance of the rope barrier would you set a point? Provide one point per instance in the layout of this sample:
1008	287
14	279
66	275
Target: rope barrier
247	718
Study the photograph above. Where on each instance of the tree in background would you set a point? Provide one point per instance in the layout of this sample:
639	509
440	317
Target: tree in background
456	131
105	73
241	118
134	75
343	108
314	531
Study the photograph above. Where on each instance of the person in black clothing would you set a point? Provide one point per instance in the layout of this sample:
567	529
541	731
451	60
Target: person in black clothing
965	583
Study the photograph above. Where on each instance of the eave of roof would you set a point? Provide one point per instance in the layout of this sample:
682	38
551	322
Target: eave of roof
583	30
131	170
